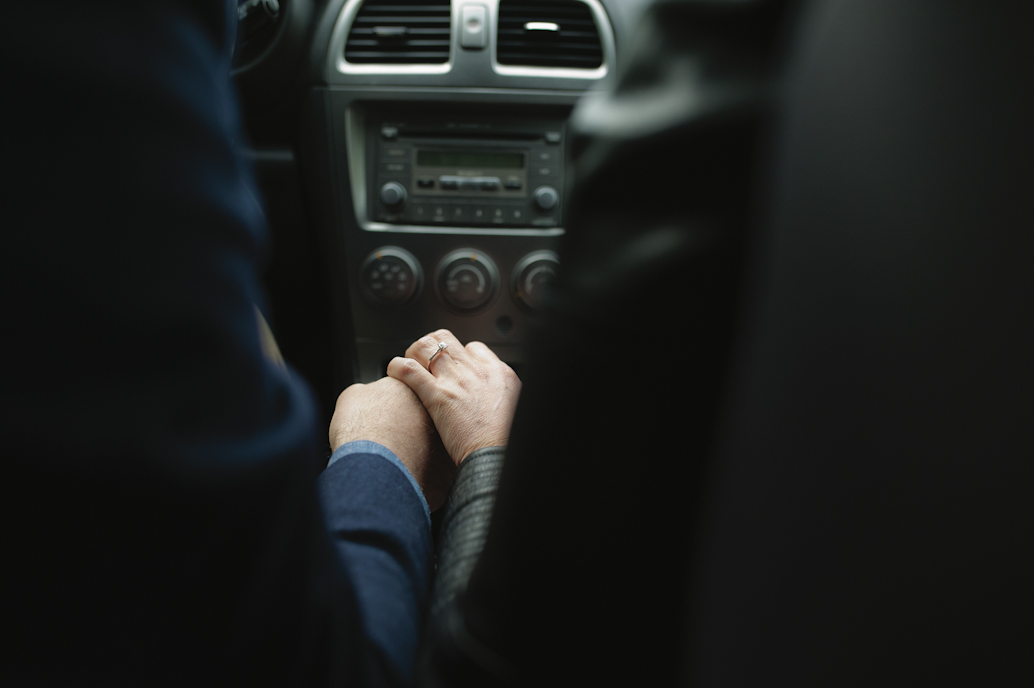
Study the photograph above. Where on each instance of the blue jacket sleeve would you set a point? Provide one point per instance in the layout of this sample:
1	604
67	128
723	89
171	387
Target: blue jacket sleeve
381	529
159	474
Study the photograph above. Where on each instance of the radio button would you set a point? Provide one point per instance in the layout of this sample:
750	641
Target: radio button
497	215
553	137
479	214
393	194
449	183
513	184
439	213
546	198
420	212
490	184
389	133
394	167
425	183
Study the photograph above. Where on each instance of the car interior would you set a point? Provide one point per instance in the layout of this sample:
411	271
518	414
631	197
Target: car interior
849	349
763	268
412	156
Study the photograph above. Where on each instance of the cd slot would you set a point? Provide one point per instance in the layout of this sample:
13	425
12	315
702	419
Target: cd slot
468	134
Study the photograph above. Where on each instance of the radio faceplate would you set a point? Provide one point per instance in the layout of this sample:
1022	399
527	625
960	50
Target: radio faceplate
486	172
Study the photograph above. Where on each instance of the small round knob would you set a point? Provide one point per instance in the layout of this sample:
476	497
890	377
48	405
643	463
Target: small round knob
393	194
467	280
546	197
390	276
533	278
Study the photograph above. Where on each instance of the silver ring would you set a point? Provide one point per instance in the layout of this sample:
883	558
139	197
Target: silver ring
442	346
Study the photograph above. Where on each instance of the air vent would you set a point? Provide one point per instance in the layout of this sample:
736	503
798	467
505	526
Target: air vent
400	32
548	34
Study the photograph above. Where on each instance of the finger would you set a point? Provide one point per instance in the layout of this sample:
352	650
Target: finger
428	351
396	388
419	349
428	347
480	351
415	376
455	348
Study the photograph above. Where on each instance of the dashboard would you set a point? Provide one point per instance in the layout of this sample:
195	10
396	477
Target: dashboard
414	157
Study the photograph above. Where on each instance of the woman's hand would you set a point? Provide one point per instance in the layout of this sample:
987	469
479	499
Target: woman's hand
470	394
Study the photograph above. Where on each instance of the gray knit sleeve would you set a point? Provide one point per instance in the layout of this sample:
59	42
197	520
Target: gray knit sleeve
465	526
451	657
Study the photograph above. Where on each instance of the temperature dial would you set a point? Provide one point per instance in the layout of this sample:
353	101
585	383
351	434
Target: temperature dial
467	280
533	278
391	276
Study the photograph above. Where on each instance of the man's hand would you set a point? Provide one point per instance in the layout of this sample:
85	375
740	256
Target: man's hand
469	392
389	413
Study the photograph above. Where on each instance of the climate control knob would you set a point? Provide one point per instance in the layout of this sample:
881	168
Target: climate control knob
393	195
545	198
391	277
533	278
467	280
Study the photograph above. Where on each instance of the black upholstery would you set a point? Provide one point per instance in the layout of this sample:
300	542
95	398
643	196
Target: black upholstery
778	429
870	514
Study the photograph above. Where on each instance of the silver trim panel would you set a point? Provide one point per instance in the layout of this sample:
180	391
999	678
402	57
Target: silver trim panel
468	68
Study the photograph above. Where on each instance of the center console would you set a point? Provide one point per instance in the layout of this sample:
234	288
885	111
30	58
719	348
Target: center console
457	214
447	177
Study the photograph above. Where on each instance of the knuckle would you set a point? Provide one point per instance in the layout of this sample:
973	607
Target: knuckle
409	366
350	391
400	367
508	373
443	334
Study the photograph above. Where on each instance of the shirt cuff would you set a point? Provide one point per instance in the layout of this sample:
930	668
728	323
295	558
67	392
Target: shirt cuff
368	447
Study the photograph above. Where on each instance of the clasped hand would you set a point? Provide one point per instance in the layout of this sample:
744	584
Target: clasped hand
436	407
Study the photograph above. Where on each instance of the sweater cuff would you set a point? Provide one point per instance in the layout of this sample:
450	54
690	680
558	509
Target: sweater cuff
368	447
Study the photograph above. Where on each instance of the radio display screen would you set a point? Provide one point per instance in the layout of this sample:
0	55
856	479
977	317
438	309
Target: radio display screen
513	161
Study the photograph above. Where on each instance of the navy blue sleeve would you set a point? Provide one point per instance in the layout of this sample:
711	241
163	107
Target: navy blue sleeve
381	529
159	484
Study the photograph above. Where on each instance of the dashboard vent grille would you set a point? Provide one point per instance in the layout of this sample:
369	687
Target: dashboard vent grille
400	32
548	34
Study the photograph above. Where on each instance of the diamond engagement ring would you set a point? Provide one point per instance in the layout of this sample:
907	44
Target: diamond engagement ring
442	346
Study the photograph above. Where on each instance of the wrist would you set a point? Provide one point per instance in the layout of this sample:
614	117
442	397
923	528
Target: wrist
483	451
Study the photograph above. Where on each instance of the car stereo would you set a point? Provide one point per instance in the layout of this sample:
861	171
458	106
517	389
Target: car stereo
487	173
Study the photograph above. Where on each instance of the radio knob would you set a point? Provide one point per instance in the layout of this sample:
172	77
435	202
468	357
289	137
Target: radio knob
393	194
545	198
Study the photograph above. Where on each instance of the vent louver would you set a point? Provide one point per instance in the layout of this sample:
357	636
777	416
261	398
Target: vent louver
400	32
548	34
